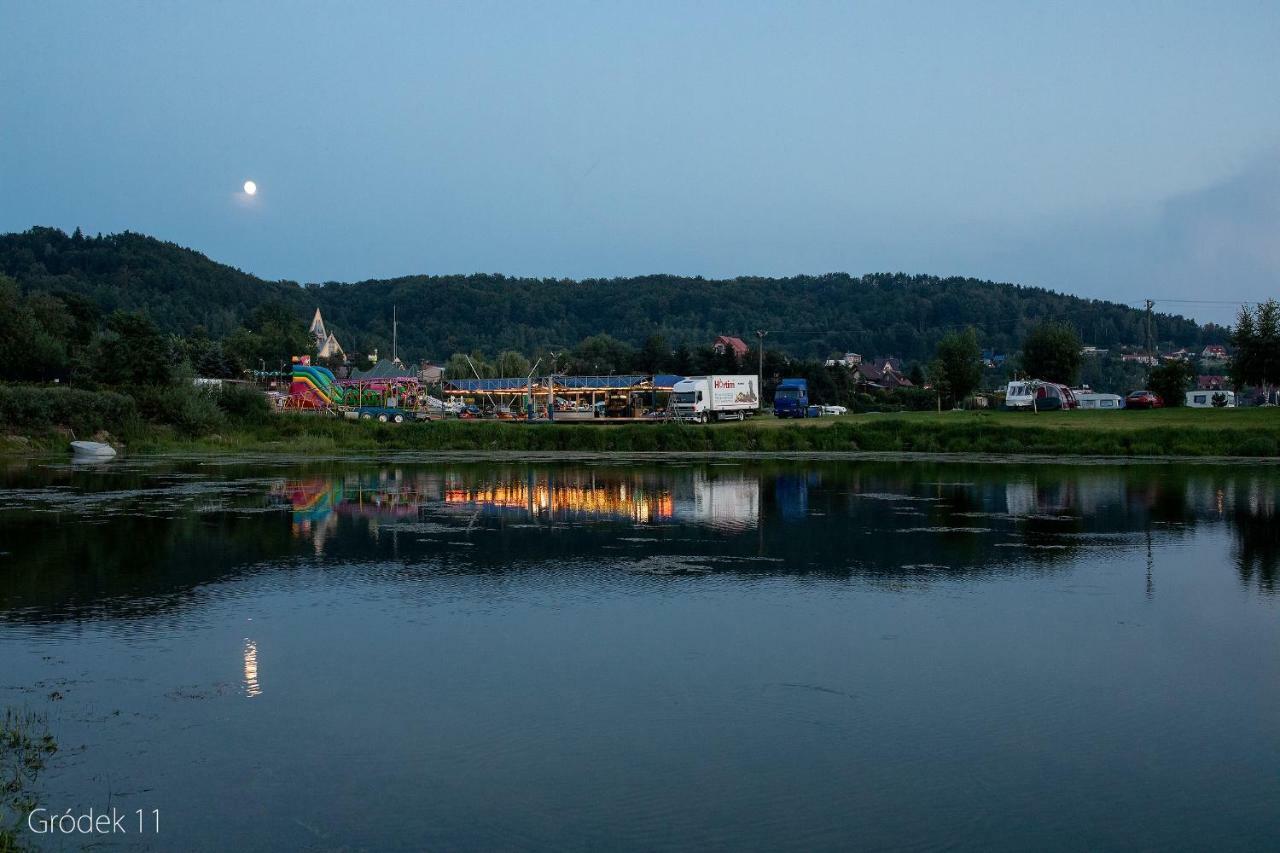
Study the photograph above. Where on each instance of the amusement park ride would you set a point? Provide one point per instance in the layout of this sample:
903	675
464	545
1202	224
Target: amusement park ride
393	398
391	393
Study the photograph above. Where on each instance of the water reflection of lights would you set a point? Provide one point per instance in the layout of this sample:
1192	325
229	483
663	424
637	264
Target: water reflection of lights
728	502
251	686
639	506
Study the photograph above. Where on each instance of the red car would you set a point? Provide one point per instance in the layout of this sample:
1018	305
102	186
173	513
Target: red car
1143	400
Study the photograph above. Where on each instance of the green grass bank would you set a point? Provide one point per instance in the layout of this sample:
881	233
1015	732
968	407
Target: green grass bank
167	420
1198	433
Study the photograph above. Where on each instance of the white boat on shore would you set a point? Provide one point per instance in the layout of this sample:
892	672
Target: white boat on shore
85	450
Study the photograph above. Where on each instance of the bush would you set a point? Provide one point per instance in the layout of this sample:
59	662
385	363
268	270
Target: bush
243	403
1258	445
35	407
195	411
190	409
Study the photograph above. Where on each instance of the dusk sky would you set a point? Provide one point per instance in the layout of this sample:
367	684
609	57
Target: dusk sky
1122	150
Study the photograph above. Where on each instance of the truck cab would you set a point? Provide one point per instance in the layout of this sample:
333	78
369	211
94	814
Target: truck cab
791	399
690	399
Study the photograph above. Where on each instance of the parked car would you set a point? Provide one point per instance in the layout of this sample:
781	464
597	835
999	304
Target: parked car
834	410
1143	400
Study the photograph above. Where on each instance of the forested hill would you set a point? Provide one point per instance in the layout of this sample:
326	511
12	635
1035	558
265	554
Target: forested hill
807	316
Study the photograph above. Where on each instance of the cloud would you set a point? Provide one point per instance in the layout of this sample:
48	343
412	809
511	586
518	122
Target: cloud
1230	230
1199	253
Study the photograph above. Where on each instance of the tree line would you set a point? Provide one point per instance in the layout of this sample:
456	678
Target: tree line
809	317
121	309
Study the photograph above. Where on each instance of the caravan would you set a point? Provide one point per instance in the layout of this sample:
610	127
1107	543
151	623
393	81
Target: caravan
1093	400
1022	395
1211	399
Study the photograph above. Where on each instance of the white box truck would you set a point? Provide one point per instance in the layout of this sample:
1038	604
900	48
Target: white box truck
715	398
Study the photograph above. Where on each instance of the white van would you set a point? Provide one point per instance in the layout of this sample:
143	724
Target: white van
1211	399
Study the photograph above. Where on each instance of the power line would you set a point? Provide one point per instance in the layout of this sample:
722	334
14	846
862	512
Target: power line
1135	302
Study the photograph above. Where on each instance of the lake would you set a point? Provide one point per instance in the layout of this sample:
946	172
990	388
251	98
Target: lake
407	654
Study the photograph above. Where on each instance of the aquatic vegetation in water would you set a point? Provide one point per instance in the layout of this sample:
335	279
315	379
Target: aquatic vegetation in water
25	747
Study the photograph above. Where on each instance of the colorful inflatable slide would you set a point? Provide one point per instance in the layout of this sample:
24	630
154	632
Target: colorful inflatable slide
314	388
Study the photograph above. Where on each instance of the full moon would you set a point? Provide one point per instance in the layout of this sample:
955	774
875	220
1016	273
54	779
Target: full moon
250	188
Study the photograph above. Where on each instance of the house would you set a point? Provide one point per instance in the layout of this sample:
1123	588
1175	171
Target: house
725	343
993	359
1092	352
884	374
889	365
1179	355
1212	382
327	345
430	373
849	359
867	378
1139	358
1214	352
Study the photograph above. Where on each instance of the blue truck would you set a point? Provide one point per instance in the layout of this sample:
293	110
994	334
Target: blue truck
791	400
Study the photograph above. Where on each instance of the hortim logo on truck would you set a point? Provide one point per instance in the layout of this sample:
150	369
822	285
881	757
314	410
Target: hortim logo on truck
744	388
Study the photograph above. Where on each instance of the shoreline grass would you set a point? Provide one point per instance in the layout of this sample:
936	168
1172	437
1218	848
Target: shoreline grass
1240	433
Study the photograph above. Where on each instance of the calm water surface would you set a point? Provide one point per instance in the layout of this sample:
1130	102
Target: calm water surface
407	655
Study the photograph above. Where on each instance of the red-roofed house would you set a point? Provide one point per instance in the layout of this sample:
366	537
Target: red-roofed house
1212	383
736	345
1214	352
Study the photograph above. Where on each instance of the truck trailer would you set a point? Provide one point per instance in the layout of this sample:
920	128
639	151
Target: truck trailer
715	398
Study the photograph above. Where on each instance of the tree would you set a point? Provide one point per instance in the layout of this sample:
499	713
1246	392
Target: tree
683	361
1112	375
654	355
1170	380
1244	364
463	366
511	363
957	370
1051	351
131	352
1257	346
601	354
34	335
1256	340
274	335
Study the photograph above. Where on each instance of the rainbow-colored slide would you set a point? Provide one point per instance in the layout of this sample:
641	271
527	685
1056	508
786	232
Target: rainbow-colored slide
314	388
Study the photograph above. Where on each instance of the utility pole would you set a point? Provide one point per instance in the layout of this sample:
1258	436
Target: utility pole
394	355
1150	329
760	333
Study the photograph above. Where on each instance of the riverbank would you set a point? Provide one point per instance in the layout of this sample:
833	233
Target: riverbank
1235	433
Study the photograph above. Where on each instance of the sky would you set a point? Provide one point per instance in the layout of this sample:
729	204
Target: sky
1123	150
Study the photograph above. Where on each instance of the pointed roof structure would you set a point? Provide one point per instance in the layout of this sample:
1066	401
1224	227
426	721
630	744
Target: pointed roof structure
330	348
327	345
384	369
